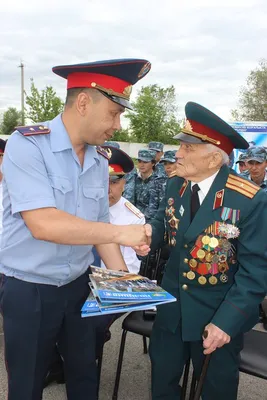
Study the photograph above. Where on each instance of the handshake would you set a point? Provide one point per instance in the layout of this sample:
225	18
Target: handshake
136	236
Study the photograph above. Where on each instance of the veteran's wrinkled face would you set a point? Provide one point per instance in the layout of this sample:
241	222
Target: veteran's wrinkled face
195	162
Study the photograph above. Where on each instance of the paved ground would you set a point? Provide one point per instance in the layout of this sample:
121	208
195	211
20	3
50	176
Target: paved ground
135	378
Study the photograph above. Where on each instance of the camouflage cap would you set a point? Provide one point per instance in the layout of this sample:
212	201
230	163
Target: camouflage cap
242	158
257	154
146	155
113	144
169	156
157	146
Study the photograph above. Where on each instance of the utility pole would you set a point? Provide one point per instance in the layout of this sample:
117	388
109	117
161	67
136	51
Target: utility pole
21	66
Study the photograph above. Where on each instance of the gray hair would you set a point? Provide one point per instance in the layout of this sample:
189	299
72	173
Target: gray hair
225	158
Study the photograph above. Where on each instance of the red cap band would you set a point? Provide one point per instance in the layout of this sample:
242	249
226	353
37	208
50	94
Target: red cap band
88	80
223	142
115	168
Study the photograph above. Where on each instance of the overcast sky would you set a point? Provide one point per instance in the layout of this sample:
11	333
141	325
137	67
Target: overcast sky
205	48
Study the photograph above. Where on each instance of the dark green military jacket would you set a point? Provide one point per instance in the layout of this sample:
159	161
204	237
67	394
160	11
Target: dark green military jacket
217	268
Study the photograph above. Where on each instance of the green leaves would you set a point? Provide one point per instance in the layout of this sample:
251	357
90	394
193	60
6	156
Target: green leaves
155	115
253	97
10	119
43	105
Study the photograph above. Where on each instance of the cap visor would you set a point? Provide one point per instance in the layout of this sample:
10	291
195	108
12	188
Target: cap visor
119	100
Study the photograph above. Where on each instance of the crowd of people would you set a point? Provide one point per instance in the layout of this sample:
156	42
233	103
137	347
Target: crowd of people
72	198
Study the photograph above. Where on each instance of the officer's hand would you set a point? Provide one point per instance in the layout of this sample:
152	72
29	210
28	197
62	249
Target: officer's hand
133	235
215	338
143	250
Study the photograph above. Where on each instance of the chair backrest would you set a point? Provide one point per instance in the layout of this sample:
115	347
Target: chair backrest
153	266
254	354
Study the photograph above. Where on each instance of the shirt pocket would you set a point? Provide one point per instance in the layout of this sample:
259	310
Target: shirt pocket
92	197
62	189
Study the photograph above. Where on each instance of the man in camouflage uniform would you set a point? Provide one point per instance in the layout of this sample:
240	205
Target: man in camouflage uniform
242	164
257	163
145	189
158	148
169	162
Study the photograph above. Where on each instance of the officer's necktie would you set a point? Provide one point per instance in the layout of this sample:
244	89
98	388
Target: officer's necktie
194	200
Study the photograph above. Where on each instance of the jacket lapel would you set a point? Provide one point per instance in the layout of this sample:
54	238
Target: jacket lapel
206	214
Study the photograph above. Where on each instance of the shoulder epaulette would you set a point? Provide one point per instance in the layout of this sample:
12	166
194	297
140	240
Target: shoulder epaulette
33	130
103	152
241	185
134	210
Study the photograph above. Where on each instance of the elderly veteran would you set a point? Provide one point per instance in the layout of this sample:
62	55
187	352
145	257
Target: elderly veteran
215	222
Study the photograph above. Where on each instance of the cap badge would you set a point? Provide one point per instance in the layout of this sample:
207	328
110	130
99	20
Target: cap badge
128	90
188	126
144	70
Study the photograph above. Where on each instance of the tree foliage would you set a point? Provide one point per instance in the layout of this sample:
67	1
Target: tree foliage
154	115
10	119
123	135
42	105
252	105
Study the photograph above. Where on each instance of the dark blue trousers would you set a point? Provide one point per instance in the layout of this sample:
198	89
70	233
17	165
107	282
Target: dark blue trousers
36	317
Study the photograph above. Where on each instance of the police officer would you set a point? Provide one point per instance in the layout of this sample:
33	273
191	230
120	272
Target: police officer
169	162
242	163
257	163
55	196
158	148
215	221
121	211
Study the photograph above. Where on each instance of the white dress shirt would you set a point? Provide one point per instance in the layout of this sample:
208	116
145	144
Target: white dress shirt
121	215
204	186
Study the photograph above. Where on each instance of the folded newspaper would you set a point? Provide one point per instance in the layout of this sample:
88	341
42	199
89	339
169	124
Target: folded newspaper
119	292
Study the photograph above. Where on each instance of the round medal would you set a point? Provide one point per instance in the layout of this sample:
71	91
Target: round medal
224	278
213	242
202	280
222	258
215	259
222	267
191	275
200	253
193	263
170	201
208	265
213	280
208	257
226	245
205	239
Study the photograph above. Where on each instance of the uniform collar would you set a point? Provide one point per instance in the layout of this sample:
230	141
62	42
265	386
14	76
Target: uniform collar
205	185
59	137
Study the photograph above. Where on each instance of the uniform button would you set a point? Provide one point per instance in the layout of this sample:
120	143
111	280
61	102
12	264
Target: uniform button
186	260
185	274
185	246
184	287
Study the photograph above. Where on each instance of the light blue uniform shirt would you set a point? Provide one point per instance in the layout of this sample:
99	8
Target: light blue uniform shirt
44	171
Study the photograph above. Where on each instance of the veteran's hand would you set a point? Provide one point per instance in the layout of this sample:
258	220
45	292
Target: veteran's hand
134	235
143	250
215	338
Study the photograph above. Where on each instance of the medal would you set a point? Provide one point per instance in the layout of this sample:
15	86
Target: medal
200	253
215	259
193	263
224	278
226	245
174	222
222	267
213	280
222	258
191	275
173	241
205	239
170	201
202	280
208	265
209	257
213	242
